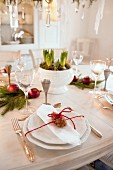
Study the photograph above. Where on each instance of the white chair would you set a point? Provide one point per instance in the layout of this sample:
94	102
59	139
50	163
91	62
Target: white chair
87	47
108	159
8	57
38	53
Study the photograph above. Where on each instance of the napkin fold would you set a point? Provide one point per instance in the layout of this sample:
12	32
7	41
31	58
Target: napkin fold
67	134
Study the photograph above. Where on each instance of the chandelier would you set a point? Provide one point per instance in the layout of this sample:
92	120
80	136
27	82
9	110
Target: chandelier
51	8
48	6
83	3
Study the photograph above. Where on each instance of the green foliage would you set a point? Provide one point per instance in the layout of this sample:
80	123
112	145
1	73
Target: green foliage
79	83
63	58
50	64
11	100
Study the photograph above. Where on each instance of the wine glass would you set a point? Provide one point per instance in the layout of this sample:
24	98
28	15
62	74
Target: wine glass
77	58
97	68
24	79
20	62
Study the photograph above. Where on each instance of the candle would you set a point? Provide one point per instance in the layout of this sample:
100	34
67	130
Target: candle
98	68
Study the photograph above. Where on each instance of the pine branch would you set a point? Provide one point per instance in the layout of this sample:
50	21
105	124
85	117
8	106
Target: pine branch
79	83
11	100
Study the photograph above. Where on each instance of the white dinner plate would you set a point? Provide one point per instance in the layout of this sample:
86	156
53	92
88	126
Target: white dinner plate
35	121
48	136
54	146
109	97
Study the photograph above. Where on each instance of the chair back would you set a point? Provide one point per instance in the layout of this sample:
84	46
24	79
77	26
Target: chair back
87	47
8	57
36	54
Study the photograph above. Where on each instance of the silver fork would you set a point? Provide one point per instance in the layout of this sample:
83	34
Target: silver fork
19	132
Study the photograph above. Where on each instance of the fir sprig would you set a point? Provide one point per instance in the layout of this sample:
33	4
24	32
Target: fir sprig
11	100
79	83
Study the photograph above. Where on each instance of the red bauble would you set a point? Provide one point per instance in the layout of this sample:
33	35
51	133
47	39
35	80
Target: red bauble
75	79
34	93
86	80
12	87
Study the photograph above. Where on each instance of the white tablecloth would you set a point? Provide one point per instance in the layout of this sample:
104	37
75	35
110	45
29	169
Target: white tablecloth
12	155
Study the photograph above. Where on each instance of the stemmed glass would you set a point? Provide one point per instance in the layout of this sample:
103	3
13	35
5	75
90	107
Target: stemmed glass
46	84
24	79
21	62
97	68
77	58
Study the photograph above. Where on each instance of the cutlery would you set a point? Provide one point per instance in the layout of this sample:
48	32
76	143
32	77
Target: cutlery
23	117
103	106
57	105
19	132
95	131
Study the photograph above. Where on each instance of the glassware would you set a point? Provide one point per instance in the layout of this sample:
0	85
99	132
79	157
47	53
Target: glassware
46	84
106	75
22	62
77	57
24	79
97	68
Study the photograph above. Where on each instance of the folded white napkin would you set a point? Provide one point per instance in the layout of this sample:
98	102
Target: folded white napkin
67	134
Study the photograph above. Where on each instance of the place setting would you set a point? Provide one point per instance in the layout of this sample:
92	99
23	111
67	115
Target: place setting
106	100
109	97
54	127
103	95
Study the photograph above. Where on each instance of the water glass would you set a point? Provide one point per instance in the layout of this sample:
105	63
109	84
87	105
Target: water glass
77	57
24	79
97	68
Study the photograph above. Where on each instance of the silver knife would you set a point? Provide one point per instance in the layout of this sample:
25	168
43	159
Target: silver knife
95	131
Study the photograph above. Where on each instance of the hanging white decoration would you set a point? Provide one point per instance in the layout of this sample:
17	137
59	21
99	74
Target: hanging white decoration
99	15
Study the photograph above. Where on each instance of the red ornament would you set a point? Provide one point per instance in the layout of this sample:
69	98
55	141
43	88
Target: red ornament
12	87
86	80
75	79
34	93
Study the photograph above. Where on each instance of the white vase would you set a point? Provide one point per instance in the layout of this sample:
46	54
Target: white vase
59	79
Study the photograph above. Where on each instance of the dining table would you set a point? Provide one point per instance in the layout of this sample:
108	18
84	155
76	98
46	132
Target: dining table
12	156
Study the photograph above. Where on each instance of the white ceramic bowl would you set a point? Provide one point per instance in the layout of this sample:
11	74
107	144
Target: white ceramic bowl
59	79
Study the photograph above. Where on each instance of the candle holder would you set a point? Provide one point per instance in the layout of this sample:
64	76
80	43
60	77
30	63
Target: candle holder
46	84
106	74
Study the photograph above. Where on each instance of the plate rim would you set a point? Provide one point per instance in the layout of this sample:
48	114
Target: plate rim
56	146
49	142
45	145
108	98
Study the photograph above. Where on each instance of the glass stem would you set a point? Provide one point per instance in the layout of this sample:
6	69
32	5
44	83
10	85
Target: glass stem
76	70
45	97
95	84
26	99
